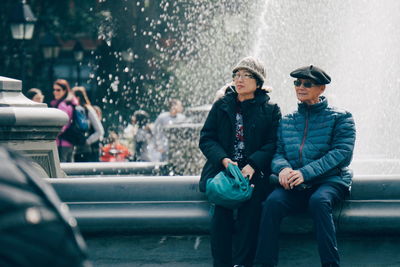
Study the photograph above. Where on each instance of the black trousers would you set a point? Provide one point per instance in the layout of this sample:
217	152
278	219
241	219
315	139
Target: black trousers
319	201
87	153
234	232
65	153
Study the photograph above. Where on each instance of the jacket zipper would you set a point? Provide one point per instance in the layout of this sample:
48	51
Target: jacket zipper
304	138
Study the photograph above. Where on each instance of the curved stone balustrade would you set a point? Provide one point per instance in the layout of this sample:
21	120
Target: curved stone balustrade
168	204
30	127
173	204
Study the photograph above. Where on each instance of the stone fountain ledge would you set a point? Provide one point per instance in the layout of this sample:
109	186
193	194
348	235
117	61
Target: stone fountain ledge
174	205
29	127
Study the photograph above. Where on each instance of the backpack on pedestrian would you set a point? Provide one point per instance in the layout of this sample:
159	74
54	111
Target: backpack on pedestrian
77	132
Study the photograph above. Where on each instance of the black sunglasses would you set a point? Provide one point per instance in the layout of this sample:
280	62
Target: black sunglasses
305	84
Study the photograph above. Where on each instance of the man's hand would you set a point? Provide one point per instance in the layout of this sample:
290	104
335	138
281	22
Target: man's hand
248	171
226	161
295	178
284	177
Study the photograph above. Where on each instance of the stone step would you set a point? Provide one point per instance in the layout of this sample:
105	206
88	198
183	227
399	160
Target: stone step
173	204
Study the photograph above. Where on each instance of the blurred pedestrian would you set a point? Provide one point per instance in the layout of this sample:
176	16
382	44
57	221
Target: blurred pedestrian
130	133
114	150
98	112
35	95
173	116
240	129
143	137
64	100
89	152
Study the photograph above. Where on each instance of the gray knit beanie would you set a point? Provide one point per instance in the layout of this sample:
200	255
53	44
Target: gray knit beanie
253	65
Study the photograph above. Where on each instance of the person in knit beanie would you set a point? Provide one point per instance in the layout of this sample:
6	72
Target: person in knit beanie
255	67
241	130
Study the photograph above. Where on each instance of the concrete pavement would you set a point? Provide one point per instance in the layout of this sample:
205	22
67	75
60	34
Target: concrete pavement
194	251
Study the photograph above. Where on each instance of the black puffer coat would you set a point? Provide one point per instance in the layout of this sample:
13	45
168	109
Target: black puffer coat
260	119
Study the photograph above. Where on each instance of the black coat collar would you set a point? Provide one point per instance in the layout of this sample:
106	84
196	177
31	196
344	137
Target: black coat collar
260	97
229	102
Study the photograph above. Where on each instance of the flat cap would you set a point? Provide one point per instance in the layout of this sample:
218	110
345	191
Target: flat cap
313	73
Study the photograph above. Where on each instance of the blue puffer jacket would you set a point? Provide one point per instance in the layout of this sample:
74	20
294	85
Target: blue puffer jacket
318	140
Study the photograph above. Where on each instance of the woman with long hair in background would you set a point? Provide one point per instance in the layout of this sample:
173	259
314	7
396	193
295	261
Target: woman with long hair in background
88	152
65	101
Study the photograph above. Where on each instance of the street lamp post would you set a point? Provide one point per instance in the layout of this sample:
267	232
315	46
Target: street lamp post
78	55
22	23
50	48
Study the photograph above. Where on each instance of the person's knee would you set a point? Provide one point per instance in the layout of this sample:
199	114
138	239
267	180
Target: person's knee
272	203
318	203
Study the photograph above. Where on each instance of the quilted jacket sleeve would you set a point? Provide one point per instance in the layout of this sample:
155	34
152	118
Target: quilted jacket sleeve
279	161
341	151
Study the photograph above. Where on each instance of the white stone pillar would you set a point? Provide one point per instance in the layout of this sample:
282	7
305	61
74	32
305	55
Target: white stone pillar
29	127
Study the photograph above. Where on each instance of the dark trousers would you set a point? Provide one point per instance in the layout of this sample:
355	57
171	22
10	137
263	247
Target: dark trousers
65	153
86	157
319	201
234	232
87	153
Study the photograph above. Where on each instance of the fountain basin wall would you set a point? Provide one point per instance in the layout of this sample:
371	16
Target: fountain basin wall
184	155
112	168
167	204
173	204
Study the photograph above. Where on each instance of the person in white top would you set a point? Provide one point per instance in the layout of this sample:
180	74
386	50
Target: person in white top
129	134
90	151
173	116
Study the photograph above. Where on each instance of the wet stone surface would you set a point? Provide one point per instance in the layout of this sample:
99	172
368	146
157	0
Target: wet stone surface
194	251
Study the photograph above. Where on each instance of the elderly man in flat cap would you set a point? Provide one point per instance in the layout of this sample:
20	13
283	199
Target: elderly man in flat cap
314	150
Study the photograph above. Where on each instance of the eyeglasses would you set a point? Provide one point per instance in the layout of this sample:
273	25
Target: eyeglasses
305	84
237	76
